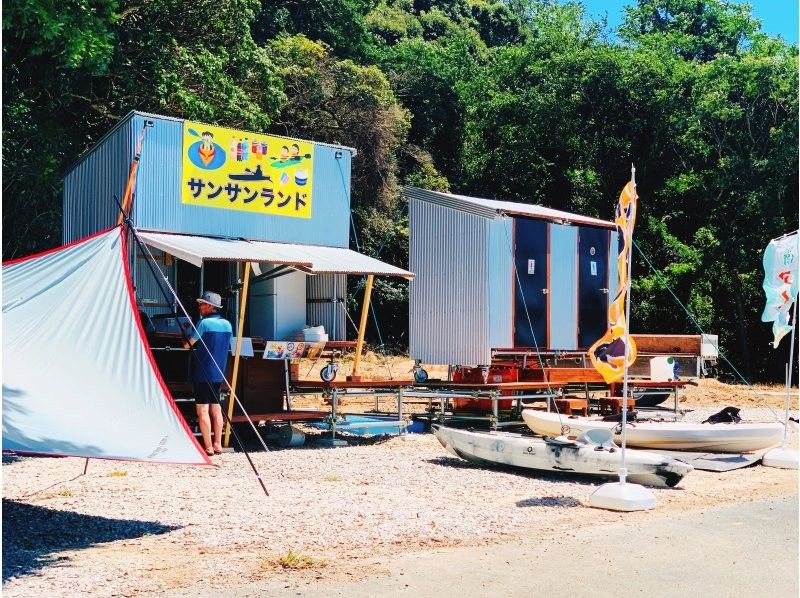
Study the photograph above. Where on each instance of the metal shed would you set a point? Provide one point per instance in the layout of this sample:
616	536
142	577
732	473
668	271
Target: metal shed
495	274
199	186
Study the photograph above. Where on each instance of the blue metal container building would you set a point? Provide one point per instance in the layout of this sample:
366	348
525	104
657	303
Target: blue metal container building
101	173
494	274
282	304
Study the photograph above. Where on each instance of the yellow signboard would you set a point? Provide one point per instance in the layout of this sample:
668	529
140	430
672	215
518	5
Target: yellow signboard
237	170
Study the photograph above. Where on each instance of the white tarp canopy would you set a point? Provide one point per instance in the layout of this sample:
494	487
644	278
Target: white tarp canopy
78	377
314	259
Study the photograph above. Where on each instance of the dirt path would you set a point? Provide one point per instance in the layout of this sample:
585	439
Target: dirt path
749	549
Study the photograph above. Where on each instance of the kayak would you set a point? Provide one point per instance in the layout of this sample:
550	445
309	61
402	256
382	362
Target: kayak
592	454
742	437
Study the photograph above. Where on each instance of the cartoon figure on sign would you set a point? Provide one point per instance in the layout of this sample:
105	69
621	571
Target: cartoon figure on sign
288	157
205	153
206	150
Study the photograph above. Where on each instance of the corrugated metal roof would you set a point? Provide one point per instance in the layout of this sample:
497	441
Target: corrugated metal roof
490	208
125	119
313	259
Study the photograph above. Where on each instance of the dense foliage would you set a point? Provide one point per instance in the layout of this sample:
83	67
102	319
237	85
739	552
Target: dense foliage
524	100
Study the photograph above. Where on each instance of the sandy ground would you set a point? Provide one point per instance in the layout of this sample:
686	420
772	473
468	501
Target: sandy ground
659	557
334	516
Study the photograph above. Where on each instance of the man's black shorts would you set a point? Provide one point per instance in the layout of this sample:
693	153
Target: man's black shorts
206	393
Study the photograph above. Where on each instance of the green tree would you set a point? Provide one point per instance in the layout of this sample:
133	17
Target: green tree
339	101
50	52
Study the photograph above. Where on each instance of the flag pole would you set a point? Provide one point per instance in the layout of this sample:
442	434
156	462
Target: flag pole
623	495
623	471
789	378
783	457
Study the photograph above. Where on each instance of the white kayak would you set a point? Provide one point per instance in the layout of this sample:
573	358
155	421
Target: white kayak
592	454
666	435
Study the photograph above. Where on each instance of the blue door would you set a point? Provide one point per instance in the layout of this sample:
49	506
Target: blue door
593	244
530	283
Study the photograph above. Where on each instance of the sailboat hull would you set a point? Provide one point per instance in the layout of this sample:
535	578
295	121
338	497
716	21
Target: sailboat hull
504	448
718	438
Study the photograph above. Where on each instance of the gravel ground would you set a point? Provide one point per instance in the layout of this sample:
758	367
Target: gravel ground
135	529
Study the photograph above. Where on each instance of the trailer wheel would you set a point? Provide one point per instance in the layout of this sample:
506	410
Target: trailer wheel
328	373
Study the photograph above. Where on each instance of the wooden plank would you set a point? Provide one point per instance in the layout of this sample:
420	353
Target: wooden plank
298	385
488	386
668	344
282	416
566	375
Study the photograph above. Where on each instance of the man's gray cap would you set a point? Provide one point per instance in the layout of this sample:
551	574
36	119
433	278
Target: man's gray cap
211	298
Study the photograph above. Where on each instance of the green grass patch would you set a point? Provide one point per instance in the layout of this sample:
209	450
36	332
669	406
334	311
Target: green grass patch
54	494
296	561
117	474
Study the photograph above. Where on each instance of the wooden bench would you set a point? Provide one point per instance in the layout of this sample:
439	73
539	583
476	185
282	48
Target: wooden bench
567	375
614	405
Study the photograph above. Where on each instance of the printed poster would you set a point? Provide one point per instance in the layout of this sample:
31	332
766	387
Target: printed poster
239	170
292	350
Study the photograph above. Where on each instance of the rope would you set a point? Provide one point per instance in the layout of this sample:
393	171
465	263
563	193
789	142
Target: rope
381	346
530	323
698	326
688	313
151	261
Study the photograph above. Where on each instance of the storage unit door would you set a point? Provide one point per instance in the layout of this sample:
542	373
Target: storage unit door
530	283
563	287
593	244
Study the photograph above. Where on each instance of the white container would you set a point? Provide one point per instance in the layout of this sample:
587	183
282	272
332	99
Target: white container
662	368
315	334
311	337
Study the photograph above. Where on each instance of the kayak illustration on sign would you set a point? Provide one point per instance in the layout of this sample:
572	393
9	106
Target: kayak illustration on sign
205	153
289	157
250	175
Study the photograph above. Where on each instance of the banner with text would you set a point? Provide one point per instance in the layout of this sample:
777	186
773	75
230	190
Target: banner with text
237	170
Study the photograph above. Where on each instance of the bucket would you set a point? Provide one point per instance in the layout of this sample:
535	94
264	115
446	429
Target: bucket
662	369
475	375
289	437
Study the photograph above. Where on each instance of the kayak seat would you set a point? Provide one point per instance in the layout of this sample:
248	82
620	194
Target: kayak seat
598	436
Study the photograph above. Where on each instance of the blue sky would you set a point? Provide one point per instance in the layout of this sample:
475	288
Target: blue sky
778	17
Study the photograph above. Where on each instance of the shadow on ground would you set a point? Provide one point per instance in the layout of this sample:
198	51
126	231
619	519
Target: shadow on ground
549	501
32	534
552	476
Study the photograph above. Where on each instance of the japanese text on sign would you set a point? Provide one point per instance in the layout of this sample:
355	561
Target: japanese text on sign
237	170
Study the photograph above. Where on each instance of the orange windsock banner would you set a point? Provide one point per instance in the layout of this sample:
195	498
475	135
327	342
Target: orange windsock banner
608	352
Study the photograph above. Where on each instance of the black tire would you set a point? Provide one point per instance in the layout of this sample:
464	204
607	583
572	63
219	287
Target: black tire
650	400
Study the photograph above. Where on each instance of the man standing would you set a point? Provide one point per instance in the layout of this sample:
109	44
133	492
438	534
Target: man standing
210	360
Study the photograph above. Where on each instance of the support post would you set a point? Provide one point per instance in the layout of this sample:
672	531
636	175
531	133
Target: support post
362	326
237	353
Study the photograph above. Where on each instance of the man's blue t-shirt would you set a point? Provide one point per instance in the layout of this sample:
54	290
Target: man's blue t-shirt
216	333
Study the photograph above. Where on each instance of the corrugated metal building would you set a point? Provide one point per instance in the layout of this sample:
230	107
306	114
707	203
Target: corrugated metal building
496	274
198	183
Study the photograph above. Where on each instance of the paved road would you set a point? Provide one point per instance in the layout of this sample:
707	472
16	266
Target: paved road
745	550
